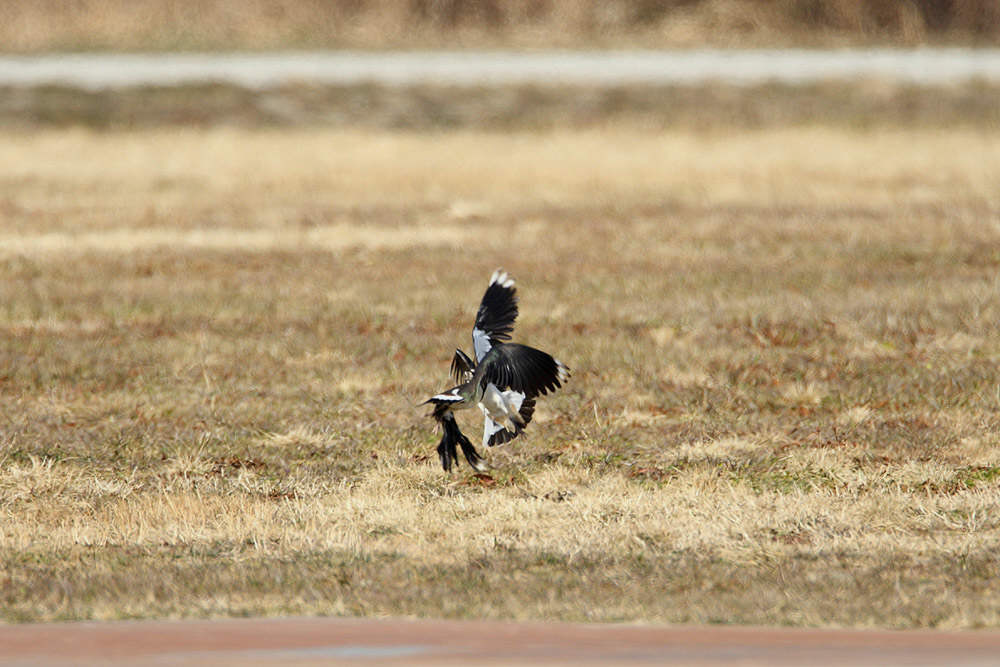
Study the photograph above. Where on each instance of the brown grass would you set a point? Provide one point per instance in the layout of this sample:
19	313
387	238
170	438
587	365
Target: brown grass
869	104
783	411
255	24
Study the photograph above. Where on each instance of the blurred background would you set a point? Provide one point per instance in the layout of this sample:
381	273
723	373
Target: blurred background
218	25
305	94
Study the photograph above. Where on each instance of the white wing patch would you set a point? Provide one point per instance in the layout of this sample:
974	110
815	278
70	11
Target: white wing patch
480	339
481	343
447	397
489	430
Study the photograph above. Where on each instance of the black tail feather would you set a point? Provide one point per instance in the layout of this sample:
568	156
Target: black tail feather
452	439
447	452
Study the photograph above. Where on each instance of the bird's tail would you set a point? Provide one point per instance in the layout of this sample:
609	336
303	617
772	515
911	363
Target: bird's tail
452	439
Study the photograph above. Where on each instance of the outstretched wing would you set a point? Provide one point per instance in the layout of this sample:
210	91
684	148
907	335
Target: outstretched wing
496	315
523	369
462	367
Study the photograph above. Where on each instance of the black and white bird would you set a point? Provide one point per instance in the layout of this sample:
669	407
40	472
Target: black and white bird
503	381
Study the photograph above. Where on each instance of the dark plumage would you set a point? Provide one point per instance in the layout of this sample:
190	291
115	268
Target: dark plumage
503	380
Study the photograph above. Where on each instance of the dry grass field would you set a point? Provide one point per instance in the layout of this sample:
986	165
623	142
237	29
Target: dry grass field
870	105
785	406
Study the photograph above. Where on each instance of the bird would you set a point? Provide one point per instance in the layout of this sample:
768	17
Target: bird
504	379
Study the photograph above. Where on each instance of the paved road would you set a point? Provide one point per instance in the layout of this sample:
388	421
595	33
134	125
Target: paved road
314	641
95	71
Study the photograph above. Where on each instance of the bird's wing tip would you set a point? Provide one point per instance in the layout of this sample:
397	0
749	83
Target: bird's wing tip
502	278
562	371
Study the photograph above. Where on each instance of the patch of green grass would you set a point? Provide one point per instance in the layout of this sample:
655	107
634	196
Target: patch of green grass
979	476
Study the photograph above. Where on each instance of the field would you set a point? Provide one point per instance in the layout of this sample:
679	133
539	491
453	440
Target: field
785	406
